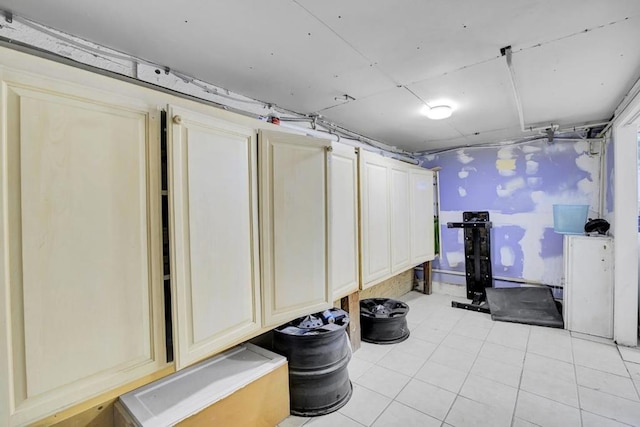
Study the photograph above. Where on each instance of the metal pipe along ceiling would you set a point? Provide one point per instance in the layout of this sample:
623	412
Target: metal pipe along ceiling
348	141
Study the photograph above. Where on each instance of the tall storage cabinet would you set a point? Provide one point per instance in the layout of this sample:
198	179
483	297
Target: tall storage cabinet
588	286
294	225
400	217
421	212
344	220
375	218
396	208
215	274
81	277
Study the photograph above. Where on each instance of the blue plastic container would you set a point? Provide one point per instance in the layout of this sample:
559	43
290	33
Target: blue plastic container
569	219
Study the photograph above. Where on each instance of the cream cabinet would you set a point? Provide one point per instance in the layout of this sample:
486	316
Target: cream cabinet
421	213
375	218
294	226
396	208
80	271
263	229
344	220
214	233
399	205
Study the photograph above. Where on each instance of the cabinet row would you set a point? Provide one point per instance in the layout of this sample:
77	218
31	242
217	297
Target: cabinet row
264	226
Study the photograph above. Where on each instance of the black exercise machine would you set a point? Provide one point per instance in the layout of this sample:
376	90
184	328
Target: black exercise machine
477	255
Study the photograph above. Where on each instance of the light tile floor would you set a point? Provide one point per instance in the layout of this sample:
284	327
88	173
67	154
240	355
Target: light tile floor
459	368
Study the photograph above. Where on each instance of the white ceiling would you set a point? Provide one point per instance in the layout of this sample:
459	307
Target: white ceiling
573	60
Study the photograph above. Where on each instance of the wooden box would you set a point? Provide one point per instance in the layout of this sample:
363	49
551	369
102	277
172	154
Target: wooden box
244	386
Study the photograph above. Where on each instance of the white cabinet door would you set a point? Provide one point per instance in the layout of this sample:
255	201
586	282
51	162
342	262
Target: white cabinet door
293	225
422	226
400	217
344	220
376	219
588	287
215	274
81	245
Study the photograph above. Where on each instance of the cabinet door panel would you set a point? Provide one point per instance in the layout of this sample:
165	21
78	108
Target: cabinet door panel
588	288
422	232
400	219
376	255
344	220
215	276
83	245
293	225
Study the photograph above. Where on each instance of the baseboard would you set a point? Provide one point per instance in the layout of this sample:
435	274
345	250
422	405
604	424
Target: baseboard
457	291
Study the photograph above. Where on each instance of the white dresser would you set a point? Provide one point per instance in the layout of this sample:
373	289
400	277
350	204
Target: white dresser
588	285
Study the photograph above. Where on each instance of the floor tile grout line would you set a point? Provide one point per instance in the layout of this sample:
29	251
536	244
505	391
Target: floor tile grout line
417	379
524	359
604	372
477	355
609	394
508	348
382	412
635	385
456	322
465	379
433	385
593	339
605	417
553	400
605	392
412	377
358	422
574	366
375	391
626	367
530	422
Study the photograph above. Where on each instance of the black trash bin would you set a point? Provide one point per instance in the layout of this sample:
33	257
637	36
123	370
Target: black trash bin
383	321
318	352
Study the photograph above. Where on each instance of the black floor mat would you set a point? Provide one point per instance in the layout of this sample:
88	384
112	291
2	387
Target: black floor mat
533	306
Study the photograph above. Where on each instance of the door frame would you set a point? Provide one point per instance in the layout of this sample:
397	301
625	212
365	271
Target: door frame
625	223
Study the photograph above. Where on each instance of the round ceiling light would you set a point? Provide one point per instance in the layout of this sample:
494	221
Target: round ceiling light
438	112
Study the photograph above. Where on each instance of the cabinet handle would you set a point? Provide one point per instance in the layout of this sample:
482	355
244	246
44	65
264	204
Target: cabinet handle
177	120
329	148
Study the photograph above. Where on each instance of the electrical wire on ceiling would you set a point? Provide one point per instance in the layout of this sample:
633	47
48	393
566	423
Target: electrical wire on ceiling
567	136
551	133
550	129
214	91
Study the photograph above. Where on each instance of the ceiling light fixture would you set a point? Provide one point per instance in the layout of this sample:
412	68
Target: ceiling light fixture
437	112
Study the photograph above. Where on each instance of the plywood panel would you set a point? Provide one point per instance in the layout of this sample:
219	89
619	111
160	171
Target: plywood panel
294	226
344	220
214	206
422	232
351	304
400	217
83	192
376	250
393	287
269	404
